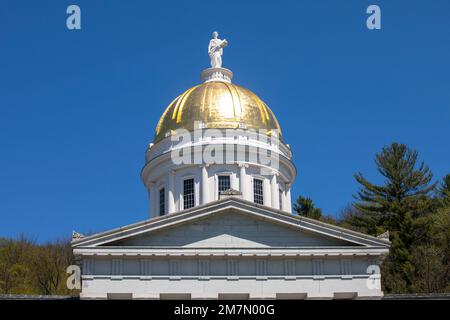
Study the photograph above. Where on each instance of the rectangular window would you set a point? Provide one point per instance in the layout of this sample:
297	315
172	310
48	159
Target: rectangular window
258	196
188	194
224	183
162	201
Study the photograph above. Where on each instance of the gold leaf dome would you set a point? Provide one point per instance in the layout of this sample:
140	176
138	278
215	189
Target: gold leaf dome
217	104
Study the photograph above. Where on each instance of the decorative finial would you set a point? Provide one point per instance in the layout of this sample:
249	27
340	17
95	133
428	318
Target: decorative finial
384	236
76	235
215	50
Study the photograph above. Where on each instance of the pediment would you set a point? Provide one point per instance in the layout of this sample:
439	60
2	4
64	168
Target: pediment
231	229
230	223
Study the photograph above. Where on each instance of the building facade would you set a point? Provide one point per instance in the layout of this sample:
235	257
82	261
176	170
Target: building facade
219	177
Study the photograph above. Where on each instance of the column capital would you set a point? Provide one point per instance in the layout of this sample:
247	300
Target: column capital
243	165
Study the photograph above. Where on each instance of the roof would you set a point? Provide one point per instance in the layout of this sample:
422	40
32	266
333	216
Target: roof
216	104
224	205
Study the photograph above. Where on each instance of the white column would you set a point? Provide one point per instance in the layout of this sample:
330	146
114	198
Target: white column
274	192
204	186
152	206
283	200
243	181
170	193
287	199
267	193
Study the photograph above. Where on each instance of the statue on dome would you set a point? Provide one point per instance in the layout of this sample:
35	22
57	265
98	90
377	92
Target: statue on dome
215	50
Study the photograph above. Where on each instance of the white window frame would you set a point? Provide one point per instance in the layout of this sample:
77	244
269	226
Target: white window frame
182	191
253	188
216	181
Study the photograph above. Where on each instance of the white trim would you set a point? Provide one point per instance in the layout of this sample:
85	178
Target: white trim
254	252
182	179
238	277
242	206
216	182
262	179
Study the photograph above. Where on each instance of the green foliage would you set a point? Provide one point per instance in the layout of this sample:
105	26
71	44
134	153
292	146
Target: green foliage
305	207
443	193
29	268
352	218
406	188
413	210
404	205
14	269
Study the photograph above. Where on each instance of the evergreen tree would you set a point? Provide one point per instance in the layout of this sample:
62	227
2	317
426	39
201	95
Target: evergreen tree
406	188
305	207
444	190
351	218
404	206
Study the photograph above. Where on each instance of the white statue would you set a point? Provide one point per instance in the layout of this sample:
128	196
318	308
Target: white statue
215	50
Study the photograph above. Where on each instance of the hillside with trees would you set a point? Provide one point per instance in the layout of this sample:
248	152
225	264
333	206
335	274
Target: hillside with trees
29	268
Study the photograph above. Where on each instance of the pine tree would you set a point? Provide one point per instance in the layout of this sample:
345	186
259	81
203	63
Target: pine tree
352	218
398	205
406	188
444	190
305	207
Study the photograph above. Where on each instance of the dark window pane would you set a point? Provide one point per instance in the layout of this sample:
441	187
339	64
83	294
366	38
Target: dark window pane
224	183
258	196
162	201
188	193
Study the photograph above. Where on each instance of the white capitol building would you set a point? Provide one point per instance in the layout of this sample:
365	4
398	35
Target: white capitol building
220	224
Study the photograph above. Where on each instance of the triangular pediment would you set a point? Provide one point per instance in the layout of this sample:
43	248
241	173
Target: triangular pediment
230	223
231	229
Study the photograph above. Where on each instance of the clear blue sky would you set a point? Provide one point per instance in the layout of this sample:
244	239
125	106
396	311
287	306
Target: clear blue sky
78	108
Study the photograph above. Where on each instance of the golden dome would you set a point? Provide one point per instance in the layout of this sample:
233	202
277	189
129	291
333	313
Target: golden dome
217	104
